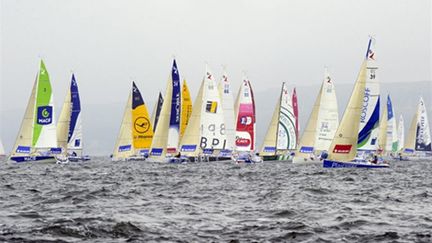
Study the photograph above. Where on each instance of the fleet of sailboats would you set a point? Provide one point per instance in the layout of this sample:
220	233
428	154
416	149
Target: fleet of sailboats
218	127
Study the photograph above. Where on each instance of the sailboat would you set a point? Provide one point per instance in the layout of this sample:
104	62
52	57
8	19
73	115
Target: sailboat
156	111
418	143
227	100
322	124
281	137
37	139
186	110
167	134
245	124
387	138
69	128
136	133
2	151
343	149
370	112
205	134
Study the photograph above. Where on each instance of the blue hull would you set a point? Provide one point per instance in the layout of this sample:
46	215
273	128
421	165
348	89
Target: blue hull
20	159
344	164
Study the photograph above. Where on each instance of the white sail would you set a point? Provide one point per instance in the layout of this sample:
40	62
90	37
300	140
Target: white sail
369	118
401	133
328	115
228	110
423	137
63	123
212	121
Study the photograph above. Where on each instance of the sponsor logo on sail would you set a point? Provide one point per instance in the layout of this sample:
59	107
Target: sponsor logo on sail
243	142
342	148
44	115
141	124
211	106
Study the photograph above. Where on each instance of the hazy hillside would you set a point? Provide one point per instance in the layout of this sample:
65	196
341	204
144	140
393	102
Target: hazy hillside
101	122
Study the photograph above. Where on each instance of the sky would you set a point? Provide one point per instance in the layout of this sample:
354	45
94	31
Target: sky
108	44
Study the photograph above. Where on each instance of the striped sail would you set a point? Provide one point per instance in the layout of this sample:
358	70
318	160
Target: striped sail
369	118
287	134
401	133
245	118
423	138
344	144
186	110
166	136
69	127
37	133
228	110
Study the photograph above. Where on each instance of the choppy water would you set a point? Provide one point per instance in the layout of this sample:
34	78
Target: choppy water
101	201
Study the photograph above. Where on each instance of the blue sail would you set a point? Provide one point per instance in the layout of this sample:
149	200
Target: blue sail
76	109
176	99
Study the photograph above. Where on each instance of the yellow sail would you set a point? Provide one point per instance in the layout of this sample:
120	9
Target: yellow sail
186	110
410	141
63	123
270	139
142	131
344	145
308	137
123	147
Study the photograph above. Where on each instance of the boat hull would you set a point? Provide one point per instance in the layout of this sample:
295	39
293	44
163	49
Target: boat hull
281	158
348	164
22	159
78	159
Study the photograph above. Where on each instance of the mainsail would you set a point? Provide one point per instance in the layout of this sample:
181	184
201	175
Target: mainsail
369	117
323	121
38	128
136	132
228	110
69	128
281	134
166	136
206	130
2	151
186	110
296	114
245	118
423	137
343	146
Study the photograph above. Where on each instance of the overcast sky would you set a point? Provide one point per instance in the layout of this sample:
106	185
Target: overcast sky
110	43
